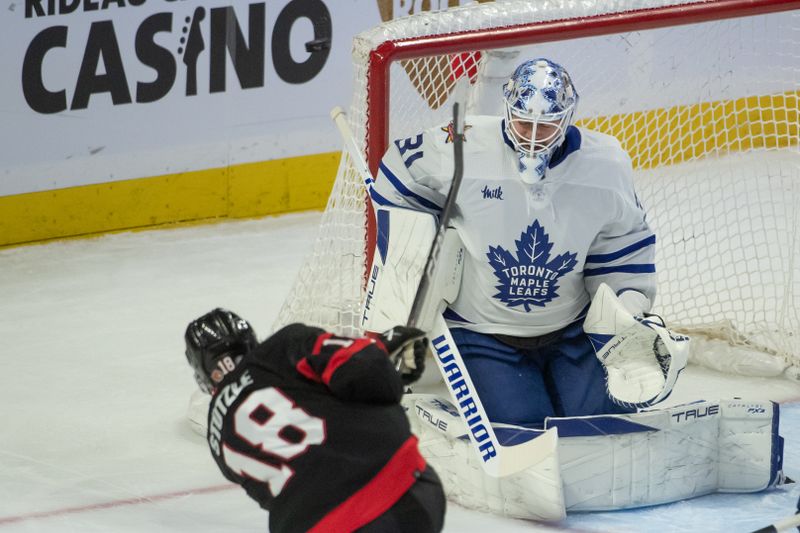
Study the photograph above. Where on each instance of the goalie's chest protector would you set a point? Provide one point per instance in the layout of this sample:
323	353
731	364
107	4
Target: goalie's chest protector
526	243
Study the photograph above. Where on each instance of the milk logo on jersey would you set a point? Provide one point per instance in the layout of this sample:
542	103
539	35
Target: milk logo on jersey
530	278
495	193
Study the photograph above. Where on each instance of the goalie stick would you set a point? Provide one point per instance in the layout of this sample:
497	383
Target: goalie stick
497	460
786	524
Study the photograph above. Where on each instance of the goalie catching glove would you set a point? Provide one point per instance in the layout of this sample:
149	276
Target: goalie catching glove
641	357
407	348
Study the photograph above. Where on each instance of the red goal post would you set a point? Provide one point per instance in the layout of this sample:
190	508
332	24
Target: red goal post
715	149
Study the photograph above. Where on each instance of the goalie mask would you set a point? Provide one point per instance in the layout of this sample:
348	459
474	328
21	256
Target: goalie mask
540	102
215	343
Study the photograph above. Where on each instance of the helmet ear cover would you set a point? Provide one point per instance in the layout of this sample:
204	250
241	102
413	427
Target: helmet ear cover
215	344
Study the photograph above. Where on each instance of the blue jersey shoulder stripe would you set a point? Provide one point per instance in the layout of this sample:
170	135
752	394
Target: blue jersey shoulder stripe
402	189
378	199
607	258
630	269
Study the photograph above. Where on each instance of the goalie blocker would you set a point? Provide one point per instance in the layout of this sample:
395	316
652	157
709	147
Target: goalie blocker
397	269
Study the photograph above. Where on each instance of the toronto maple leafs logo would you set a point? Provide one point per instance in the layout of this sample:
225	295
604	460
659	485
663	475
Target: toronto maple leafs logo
530	278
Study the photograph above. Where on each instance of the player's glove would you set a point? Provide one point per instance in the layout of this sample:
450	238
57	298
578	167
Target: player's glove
408	348
641	357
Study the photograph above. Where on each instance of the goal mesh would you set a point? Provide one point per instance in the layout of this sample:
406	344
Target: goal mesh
702	95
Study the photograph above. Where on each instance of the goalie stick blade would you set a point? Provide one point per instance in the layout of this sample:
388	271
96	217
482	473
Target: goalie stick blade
786	524
513	459
496	459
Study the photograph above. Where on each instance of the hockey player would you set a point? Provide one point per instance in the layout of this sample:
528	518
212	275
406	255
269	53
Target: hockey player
547	213
310	425
545	280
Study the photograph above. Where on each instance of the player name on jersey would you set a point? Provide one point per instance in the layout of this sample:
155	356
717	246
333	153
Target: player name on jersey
222	402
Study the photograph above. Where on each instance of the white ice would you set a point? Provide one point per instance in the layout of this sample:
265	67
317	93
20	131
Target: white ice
94	387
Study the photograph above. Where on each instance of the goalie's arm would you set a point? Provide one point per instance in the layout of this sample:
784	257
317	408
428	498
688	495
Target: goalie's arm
623	257
410	175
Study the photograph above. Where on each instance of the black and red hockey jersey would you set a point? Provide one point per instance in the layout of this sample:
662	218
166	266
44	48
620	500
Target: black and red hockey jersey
310	425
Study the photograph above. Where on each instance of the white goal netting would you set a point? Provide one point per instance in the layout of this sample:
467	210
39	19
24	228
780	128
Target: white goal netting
708	112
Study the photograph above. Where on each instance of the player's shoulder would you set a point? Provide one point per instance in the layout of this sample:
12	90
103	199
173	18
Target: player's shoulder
476	128
293	339
429	153
602	147
600	161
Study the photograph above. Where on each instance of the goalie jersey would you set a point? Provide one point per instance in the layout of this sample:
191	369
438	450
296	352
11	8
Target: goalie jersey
310	425
535	253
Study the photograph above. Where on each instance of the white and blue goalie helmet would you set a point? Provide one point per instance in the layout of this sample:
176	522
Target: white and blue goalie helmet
540	102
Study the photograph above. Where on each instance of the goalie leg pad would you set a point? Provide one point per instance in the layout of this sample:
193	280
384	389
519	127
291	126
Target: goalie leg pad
533	494
660	456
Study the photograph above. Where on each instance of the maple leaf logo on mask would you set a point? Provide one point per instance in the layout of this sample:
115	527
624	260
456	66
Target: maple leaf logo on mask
530	278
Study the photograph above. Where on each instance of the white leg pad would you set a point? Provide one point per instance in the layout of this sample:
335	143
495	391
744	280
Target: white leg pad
660	456
533	494
610	462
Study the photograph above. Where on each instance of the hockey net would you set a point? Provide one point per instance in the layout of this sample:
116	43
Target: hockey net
702	95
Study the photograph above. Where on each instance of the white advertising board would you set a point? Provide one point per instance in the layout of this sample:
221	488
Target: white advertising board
102	90
96	91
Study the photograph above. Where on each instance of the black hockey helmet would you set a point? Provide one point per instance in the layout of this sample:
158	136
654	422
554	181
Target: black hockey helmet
215	343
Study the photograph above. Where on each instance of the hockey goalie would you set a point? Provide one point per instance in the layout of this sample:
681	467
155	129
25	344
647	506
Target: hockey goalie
539	320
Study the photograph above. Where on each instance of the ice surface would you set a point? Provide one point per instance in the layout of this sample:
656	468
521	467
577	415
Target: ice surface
94	389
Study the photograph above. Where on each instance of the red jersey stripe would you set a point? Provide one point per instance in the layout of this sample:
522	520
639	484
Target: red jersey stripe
379	494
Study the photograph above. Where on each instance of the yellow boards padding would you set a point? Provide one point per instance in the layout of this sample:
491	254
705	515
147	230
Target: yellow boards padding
239	191
653	138
669	136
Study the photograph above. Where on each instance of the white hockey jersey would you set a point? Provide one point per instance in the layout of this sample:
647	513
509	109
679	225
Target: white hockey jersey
535	253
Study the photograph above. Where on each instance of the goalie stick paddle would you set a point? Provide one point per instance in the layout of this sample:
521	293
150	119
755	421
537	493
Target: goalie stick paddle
497	460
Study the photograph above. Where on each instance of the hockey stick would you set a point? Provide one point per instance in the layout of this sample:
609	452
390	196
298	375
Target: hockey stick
781	525
339	118
497	460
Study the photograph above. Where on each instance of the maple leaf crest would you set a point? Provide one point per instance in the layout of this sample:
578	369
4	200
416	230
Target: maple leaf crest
531	278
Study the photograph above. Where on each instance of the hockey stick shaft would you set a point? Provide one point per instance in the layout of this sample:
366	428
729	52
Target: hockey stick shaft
421	297
359	163
781	525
